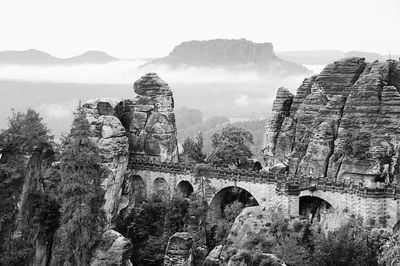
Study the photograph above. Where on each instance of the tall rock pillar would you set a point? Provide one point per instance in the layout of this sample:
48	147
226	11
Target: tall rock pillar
150	121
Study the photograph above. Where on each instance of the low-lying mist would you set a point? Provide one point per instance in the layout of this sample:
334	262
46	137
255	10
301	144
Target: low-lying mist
55	91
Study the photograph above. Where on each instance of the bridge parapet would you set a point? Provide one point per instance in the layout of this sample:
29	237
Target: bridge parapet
348	186
290	184
221	173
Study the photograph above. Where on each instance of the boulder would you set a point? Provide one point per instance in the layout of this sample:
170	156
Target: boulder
244	258
250	227
114	249
179	250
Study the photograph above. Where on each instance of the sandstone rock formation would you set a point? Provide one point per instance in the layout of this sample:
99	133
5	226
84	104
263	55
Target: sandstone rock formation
233	54
280	110
40	161
150	121
144	128
341	124
114	249
109	136
179	250
251	224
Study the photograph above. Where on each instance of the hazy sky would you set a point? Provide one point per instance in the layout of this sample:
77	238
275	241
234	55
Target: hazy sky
129	28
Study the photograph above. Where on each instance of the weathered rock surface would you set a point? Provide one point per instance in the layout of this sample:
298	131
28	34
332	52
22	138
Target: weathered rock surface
251	224
114	249
242	259
179	250
150	121
280	110
109	135
233	54
342	123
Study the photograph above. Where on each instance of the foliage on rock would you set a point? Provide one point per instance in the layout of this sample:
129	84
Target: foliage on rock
390	254
231	147
25	133
82	218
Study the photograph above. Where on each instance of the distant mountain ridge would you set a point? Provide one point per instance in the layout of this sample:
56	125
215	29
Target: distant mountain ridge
36	57
228	53
323	57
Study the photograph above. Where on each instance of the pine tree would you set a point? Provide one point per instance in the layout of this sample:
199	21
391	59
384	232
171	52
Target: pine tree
82	218
25	133
193	149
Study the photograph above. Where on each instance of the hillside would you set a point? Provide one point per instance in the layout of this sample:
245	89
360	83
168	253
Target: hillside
36	57
232	54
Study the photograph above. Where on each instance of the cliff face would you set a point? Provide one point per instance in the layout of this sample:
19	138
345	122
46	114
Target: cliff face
225	53
150	121
144	128
341	124
109	135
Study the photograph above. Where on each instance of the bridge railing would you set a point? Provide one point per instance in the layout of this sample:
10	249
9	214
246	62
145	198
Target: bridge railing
223	173
283	181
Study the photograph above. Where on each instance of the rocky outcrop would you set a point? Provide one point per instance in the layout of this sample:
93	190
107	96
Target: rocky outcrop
33	188
179	250
33	183
233	54
109	135
250	226
114	249
343	123
150	121
280	110
242	258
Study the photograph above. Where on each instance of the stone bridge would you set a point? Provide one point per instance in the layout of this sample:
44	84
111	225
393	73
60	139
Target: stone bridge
378	204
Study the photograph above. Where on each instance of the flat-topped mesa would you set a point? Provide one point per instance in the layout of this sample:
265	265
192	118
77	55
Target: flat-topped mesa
150	121
238	55
342	124
215	51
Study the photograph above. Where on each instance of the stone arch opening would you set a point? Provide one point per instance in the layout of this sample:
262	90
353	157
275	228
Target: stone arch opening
227	196
138	187
161	188
185	189
314	208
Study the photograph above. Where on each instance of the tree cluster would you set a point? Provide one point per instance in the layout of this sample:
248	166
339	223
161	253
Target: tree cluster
66	217
230	147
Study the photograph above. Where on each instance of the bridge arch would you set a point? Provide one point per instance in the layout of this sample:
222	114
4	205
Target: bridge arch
327	196
161	188
184	188
138	187
228	195
314	208
321	209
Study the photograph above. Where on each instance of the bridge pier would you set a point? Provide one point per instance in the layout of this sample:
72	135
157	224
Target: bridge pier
293	204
